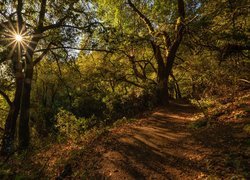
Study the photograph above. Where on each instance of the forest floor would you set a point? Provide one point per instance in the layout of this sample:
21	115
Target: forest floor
167	143
164	146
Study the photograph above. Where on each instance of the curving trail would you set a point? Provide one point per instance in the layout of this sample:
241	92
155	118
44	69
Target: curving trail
162	146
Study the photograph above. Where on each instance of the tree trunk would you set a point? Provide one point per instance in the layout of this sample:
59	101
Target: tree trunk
162	92
10	124
164	67
162	89
177	88
24	134
178	91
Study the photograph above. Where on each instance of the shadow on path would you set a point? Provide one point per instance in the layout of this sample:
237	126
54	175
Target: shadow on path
162	146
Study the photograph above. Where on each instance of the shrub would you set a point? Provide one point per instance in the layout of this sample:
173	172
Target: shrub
70	126
247	128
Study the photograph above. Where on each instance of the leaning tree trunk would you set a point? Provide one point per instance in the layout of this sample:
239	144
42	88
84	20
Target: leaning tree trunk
10	124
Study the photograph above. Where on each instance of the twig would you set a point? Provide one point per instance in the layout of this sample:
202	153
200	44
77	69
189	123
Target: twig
244	80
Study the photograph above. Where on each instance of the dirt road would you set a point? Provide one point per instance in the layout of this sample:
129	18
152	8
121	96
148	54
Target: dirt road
163	146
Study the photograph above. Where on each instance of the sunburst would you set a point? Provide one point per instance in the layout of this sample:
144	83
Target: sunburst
17	38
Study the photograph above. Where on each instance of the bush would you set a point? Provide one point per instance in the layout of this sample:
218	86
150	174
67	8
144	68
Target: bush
72	127
247	128
87	106
129	105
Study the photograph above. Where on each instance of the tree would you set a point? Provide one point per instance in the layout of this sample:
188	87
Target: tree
160	35
44	27
217	48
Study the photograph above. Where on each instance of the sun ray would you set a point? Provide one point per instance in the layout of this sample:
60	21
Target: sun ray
22	31
11	29
17	28
26	45
17	37
19	51
12	50
12	42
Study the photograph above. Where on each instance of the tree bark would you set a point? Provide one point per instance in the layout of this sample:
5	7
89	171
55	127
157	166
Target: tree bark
177	88
164	65
162	92
162	89
10	124
24	133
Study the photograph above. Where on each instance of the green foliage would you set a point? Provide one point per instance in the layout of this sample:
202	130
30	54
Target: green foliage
72	127
199	124
73	92
116	76
247	128
123	121
203	103
87	106
3	111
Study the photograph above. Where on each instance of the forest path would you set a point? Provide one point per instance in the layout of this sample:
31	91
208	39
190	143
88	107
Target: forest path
162	146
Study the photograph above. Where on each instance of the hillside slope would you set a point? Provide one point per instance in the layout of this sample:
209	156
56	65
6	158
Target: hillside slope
163	146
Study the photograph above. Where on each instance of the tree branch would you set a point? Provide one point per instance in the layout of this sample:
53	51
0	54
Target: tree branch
60	21
79	27
6	97
244	80
75	48
42	13
179	27
142	16
124	79
19	14
56	25
43	54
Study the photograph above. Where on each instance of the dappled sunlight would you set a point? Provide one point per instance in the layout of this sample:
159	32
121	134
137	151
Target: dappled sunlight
154	134
124	89
162	147
169	115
